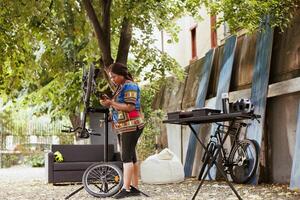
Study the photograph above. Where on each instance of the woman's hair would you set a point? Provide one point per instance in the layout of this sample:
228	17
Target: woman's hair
120	69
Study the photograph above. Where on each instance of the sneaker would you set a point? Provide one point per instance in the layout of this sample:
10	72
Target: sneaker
134	191
122	194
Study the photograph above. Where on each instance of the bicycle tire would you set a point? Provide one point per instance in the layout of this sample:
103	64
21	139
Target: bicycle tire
102	180
89	85
87	88
243	161
207	156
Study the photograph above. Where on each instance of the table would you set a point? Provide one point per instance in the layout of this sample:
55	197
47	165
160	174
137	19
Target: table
218	117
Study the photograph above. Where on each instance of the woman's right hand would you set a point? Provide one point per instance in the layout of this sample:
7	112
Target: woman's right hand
105	102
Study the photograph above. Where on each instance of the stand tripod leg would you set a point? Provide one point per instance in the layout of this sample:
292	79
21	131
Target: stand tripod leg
228	182
73	193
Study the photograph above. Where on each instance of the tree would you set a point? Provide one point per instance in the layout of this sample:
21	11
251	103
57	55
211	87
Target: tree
44	44
42	47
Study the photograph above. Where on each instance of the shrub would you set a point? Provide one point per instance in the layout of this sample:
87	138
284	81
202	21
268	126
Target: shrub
9	160
35	160
146	145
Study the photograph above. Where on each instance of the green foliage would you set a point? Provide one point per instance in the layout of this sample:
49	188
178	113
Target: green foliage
146	145
35	160
9	160
153	119
143	66
249	14
44	45
55	98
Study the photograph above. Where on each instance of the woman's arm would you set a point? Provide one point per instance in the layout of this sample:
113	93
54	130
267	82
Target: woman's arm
126	107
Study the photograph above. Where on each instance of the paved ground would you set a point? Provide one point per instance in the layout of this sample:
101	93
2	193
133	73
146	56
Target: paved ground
19	183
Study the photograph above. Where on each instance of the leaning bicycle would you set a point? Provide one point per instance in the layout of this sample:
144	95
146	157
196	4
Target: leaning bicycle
241	161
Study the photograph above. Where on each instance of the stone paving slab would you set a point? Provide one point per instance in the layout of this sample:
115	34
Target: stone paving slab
16	186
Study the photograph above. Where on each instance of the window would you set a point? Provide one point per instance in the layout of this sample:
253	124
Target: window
194	44
213	32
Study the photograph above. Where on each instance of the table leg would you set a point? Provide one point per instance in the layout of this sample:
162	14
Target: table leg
210	161
196	135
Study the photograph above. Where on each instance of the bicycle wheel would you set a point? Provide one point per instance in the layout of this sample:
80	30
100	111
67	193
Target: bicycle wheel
243	161
87	86
102	180
207	158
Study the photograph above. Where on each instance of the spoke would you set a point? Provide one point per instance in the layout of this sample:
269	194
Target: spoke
93	175
98	171
89	180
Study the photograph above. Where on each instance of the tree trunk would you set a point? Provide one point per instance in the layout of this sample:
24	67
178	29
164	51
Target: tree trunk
102	32
125	39
103	35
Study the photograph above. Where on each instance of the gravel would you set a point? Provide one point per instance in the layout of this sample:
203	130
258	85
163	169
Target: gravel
26	183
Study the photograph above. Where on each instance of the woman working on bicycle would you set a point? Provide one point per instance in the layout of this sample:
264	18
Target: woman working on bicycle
128	122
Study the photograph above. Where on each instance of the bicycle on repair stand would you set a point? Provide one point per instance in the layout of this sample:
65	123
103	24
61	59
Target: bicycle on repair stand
103	179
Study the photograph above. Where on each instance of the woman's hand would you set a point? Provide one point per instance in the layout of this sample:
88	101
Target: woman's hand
118	106
106	102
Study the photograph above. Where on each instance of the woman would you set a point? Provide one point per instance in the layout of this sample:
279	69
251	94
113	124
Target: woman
128	122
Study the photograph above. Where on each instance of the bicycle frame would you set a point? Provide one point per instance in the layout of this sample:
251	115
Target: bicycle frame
231	130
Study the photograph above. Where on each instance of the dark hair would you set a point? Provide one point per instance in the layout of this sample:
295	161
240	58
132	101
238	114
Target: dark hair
121	69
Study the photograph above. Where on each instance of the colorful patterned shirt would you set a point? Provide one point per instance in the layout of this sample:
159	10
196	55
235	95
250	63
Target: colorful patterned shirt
128	121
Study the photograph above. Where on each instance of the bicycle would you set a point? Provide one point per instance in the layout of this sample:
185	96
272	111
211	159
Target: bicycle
242	160
100	179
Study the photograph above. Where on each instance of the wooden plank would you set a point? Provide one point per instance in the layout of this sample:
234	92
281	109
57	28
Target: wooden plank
259	89
224	83
284	87
200	101
295	175
274	90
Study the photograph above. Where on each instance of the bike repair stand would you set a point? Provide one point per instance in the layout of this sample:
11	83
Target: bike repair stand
212	156
105	111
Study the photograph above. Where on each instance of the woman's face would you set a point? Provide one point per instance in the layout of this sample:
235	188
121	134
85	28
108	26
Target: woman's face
117	79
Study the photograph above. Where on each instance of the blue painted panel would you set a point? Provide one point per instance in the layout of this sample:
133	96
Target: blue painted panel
260	83
200	102
295	175
226	70
224	83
